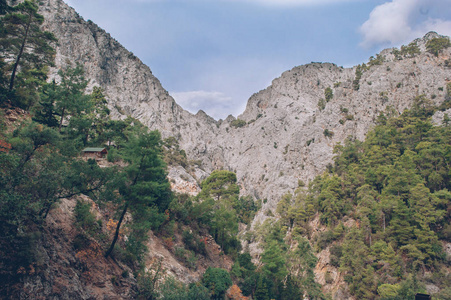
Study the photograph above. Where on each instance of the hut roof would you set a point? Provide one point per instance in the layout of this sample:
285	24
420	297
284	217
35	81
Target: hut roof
93	149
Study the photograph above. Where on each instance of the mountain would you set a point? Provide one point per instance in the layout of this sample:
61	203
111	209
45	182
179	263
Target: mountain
283	137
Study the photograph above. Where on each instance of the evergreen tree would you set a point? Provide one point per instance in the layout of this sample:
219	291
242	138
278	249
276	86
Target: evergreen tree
217	281
70	97
143	187
45	111
3	7
261	290
24	43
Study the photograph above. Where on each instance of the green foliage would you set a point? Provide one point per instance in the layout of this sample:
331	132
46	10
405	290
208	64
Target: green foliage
34	176
85	219
217	281
410	50
172	289
193	242
219	197
143	187
27	51
246	208
321	104
376	61
238	123
328	94
173	155
148	281
436	45
220	185
328	133
396	185
4	7
358	75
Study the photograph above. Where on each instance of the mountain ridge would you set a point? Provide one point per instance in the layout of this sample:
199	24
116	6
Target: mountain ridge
280	120
281	142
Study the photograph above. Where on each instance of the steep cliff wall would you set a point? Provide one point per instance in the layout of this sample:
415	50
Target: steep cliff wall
288	134
288	140
284	140
130	86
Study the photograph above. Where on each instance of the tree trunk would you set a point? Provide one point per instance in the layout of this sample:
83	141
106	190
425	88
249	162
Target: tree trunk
116	234
19	56
61	121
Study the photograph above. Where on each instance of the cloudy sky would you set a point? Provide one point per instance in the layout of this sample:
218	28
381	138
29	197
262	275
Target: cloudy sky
214	54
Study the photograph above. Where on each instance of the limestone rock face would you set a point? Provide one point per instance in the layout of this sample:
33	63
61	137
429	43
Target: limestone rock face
287	137
129	85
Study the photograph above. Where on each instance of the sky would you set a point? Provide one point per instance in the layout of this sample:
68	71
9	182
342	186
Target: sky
214	54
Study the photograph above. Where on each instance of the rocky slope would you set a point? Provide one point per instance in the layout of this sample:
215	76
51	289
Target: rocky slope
288	141
285	136
283	141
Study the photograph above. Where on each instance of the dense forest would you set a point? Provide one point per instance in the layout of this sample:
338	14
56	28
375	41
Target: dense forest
384	205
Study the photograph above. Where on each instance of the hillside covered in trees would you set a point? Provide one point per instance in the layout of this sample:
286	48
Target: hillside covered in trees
75	227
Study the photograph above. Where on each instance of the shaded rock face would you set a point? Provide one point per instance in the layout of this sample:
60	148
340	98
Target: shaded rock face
62	272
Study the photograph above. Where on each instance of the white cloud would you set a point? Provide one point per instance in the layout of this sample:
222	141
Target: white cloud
401	21
215	104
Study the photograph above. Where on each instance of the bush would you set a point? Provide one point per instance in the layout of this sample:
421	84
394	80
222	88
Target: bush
85	219
238	123
358	75
335	255
321	104
113	155
328	133
328	94
194	242
410	50
436	45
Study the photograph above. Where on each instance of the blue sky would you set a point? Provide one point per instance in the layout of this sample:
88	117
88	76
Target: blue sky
214	54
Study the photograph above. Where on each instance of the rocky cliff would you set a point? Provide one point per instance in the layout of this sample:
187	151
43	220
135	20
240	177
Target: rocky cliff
286	136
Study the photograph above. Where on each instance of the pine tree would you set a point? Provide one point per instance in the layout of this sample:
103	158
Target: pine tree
45	111
143	186
24	42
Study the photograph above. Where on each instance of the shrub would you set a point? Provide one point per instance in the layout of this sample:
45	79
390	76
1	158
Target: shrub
344	110
436	45
321	104
358	75
238	123
411	50
113	155
376	61
328	133
194	243
85	219
328	94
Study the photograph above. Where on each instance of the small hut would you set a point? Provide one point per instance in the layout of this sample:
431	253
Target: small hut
95	152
